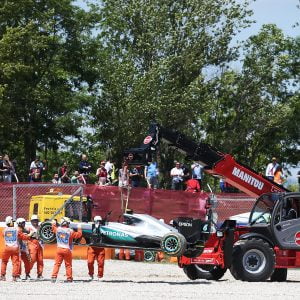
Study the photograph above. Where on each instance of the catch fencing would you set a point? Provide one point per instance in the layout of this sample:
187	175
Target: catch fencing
16	198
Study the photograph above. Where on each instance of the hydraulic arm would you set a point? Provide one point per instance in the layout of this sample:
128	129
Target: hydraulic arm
213	161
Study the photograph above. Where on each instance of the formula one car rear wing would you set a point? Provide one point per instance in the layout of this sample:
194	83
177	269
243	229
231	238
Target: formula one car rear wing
214	162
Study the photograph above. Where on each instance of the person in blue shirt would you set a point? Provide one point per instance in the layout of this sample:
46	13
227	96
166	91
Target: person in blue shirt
151	175
197	172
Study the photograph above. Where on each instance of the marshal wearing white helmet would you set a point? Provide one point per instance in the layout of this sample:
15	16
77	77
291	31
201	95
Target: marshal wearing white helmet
24	248
96	253
64	237
12	236
36	248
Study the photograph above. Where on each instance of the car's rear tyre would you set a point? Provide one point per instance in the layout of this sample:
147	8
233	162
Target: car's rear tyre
149	256
279	275
252	260
46	234
207	272
173	244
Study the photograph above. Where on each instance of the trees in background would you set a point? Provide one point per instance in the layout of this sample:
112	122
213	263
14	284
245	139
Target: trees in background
44	68
116	66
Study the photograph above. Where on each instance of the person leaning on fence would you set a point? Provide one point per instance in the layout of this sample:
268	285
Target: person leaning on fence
96	253
77	178
36	170
11	251
102	174
192	185
36	247
64	236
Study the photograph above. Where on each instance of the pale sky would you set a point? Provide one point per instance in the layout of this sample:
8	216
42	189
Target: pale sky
283	13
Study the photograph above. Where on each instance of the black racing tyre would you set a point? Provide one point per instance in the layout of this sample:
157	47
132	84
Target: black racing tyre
279	275
207	272
46	234
173	244
252	260
149	256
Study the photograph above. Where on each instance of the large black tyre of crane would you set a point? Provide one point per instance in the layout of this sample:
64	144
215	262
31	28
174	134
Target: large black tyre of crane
279	275
173	244
207	272
252	260
46	234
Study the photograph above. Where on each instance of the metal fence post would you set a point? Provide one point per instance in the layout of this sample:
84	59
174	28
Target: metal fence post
14	202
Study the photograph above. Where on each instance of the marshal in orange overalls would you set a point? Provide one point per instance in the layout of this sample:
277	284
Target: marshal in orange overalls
94	253
11	237
64	236
36	251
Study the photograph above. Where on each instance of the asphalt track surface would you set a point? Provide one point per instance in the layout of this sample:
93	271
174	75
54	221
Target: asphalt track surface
135	280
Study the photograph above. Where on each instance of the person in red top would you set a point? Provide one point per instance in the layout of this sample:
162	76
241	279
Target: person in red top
102	174
64	237
192	185
36	248
11	238
96	253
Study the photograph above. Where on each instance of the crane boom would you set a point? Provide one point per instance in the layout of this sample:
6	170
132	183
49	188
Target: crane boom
213	161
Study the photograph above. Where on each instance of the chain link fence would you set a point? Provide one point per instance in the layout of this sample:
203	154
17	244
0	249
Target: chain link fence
17	198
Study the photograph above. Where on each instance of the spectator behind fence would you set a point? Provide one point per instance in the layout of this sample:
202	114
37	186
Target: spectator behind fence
192	185
177	177
222	185
278	176
56	179
123	175
151	174
7	169
85	167
271	167
102	174
197	172
36	170
1	168
135	175
63	173
77	178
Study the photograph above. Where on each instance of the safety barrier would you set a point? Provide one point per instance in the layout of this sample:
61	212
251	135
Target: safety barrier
166	204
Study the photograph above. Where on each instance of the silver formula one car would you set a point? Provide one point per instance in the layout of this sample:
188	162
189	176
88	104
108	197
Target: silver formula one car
141	231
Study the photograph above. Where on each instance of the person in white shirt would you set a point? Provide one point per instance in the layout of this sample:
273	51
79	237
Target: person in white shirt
177	177
271	168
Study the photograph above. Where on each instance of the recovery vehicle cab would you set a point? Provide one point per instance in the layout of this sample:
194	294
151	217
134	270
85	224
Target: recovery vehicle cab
46	205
